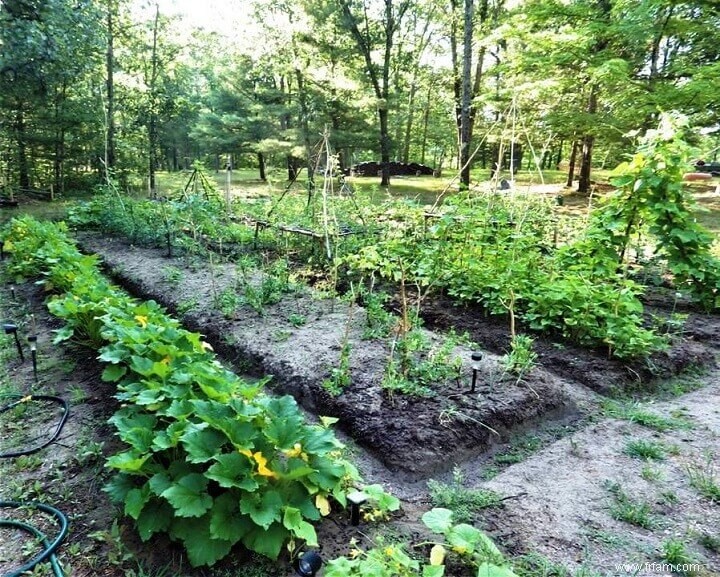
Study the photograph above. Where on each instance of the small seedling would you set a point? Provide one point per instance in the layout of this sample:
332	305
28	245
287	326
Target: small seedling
644	449
704	479
461	500
626	509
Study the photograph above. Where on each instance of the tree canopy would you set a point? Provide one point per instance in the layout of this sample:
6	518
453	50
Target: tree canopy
93	88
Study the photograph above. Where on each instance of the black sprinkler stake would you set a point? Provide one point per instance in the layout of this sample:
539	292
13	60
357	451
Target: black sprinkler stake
476	357
11	328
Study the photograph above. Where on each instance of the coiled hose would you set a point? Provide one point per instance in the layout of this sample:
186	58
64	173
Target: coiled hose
49	547
26	399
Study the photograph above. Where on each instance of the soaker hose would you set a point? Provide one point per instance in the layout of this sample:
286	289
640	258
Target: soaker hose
49	547
26	399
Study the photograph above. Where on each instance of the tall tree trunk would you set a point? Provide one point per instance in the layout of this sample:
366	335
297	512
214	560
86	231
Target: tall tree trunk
152	127
110	89
21	140
261	166
59	145
426	119
587	147
305	129
558	159
571	164
408	125
465	116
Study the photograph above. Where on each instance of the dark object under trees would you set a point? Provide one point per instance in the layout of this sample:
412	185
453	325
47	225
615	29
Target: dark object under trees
394	169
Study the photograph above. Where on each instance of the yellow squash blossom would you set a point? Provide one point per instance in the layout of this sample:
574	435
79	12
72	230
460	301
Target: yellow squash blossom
142	320
261	463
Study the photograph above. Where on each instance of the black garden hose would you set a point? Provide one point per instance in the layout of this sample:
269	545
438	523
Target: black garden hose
26	399
49	547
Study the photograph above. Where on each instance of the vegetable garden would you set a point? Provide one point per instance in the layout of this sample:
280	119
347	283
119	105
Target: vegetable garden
428	338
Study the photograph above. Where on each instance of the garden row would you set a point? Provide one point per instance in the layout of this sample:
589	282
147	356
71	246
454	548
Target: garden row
514	255
211	460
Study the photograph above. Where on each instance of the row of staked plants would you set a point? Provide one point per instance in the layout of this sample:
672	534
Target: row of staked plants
502	252
210	459
512	254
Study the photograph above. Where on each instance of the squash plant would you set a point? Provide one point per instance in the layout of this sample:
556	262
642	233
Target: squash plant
209	459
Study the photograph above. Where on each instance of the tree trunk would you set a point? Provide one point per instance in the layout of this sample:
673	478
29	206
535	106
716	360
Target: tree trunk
571	163
110	88
587	147
21	140
152	127
261	166
426	119
409	123
466	103
384	147
558	160
304	127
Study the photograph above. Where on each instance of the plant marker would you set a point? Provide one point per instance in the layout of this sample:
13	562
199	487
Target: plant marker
33	353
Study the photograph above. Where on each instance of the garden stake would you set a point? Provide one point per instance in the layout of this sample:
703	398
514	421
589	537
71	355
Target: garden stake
356	499
308	564
11	328
476	357
33	353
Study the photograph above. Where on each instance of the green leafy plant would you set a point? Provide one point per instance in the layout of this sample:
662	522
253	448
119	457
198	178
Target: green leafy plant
645	449
676	554
705	479
208	458
466	544
340	377
626	509
462	501
521	358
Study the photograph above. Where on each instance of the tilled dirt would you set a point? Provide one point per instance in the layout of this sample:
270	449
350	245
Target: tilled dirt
414	436
560	498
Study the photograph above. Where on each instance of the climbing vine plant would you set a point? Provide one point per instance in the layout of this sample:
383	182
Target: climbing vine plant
652	199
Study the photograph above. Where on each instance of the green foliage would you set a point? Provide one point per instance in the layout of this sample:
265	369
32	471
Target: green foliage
676	554
652	192
704	478
521	358
379	322
462	501
208	458
626	509
468	545
645	449
498	251
340	377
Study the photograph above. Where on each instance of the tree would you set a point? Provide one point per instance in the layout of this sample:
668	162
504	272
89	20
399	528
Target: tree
376	37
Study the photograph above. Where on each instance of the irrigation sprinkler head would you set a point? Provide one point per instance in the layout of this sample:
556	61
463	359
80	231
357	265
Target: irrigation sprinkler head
560	200
308	564
11	329
356	499
475	357
12	292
